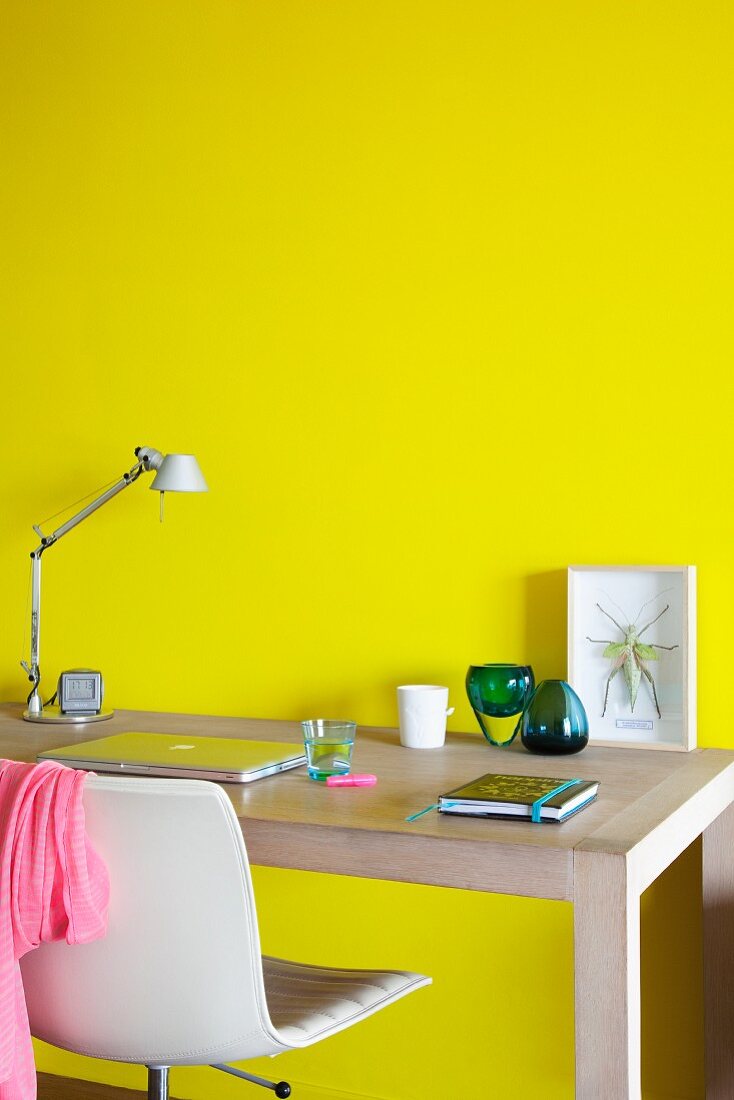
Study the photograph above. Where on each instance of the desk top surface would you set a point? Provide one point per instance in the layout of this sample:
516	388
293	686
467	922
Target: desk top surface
289	820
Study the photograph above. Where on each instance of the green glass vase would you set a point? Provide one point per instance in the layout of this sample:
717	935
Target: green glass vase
554	720
498	694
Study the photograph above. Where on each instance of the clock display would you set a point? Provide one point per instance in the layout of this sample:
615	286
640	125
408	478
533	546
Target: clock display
80	689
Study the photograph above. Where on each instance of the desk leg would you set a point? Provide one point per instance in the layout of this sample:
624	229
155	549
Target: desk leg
718	954
607	969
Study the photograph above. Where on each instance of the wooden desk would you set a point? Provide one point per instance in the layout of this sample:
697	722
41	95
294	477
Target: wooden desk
651	806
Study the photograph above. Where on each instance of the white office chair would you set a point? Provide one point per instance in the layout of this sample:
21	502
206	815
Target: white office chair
179	979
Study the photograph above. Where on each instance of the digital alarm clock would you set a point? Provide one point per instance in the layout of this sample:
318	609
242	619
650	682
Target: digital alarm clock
80	691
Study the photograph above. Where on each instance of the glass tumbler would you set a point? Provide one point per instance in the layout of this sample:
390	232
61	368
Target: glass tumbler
328	743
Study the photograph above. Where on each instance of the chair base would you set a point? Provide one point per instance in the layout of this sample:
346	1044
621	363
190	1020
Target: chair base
281	1088
158	1082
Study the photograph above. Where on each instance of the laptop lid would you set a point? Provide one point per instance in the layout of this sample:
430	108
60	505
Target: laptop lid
225	759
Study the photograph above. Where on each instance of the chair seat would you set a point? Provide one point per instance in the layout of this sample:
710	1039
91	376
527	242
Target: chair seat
307	1003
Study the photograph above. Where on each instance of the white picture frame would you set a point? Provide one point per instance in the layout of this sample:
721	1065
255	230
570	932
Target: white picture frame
664	599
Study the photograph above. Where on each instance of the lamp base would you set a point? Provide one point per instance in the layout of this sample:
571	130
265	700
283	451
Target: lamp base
53	714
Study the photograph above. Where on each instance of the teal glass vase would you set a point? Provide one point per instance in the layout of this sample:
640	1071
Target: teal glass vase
554	721
498	694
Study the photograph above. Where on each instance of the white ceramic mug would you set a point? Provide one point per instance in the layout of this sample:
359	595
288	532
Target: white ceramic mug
423	710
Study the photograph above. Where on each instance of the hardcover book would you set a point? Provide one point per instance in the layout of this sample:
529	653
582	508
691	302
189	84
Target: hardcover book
513	796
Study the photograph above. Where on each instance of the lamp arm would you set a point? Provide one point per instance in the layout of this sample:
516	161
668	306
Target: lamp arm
35	705
125	480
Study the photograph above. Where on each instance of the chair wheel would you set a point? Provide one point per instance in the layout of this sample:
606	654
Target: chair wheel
282	1090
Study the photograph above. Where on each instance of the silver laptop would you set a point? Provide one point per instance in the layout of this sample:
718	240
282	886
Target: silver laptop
225	759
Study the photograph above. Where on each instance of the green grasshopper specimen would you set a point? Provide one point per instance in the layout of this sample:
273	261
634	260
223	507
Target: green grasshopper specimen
630	655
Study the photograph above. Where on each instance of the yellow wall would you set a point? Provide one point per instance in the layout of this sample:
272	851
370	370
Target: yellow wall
440	294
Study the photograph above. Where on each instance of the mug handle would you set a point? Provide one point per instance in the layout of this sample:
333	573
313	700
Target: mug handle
450	711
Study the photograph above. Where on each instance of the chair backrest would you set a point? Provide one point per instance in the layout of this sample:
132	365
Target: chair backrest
178	977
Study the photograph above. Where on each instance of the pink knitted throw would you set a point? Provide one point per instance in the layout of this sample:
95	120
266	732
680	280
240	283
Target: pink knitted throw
53	886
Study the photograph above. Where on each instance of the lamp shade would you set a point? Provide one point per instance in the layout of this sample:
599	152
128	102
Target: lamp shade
179	474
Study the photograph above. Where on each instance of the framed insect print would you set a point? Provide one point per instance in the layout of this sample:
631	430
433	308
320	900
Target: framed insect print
632	653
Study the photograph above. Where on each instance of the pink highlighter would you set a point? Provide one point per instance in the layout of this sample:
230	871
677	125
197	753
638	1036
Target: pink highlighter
365	780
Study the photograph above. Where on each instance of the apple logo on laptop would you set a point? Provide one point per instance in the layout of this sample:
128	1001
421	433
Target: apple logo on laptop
173	747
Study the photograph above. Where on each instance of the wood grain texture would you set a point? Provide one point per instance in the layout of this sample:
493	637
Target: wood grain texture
656	828
51	1087
431	860
718	955
607	979
291	821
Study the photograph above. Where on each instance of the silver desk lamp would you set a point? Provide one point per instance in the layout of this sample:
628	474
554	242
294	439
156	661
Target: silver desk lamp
174	473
